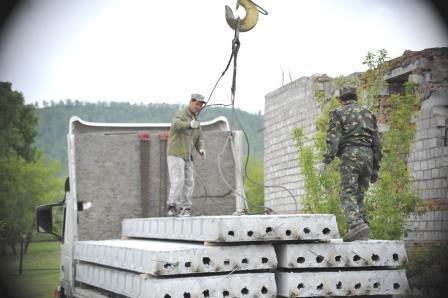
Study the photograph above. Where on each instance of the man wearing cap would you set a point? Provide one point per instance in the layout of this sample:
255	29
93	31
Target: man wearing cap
185	135
353	136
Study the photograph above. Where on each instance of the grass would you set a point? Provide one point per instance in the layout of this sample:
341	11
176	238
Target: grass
40	274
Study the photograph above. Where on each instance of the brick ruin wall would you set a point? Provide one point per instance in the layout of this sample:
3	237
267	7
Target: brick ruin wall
428	160
294	105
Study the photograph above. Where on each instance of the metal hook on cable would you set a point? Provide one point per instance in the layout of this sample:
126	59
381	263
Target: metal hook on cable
251	18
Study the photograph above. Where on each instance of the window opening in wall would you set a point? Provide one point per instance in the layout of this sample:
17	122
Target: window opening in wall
397	84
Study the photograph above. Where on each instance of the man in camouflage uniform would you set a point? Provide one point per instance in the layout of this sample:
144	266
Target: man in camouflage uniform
353	136
185	134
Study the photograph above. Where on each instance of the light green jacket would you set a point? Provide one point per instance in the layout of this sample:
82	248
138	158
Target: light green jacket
183	137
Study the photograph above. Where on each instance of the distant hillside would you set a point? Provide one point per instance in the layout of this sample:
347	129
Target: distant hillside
54	120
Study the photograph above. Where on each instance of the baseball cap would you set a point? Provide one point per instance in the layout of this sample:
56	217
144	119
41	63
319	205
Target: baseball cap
197	97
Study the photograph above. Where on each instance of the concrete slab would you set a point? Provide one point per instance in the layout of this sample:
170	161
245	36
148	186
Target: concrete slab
319	227
157	257
342	283
372	253
137	285
89	293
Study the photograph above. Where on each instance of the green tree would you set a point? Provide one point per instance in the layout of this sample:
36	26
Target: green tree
26	178
373	78
17	123
23	186
254	186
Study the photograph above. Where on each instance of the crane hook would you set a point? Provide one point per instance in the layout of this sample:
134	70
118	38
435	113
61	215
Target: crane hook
249	21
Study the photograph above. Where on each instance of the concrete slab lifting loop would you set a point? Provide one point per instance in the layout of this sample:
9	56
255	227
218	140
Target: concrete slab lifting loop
249	21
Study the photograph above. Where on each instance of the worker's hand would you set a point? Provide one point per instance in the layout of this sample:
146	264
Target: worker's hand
194	124
202	153
374	177
321	168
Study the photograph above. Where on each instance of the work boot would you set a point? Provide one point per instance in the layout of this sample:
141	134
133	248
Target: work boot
358	232
185	212
171	212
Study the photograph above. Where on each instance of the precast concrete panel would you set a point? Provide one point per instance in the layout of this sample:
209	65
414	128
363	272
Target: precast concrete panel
372	253
136	285
89	293
342	283
157	257
319	227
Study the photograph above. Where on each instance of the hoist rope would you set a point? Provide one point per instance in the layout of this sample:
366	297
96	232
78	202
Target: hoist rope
234	55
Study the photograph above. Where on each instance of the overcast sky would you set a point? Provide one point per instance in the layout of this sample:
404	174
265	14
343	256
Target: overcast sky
162	51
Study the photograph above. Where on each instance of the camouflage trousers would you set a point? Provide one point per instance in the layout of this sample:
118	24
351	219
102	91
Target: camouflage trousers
182	182
356	169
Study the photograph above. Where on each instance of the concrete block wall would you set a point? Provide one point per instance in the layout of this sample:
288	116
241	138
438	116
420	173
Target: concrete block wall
429	227
286	108
428	163
428	160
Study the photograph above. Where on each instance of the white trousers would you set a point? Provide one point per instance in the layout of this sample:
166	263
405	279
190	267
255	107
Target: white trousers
182	182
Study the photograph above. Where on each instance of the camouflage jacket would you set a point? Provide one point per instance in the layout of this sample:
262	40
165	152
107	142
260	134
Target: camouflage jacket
352	125
183	137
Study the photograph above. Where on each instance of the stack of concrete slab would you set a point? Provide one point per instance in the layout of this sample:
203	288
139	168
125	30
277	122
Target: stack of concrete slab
152	268
239	256
341	269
